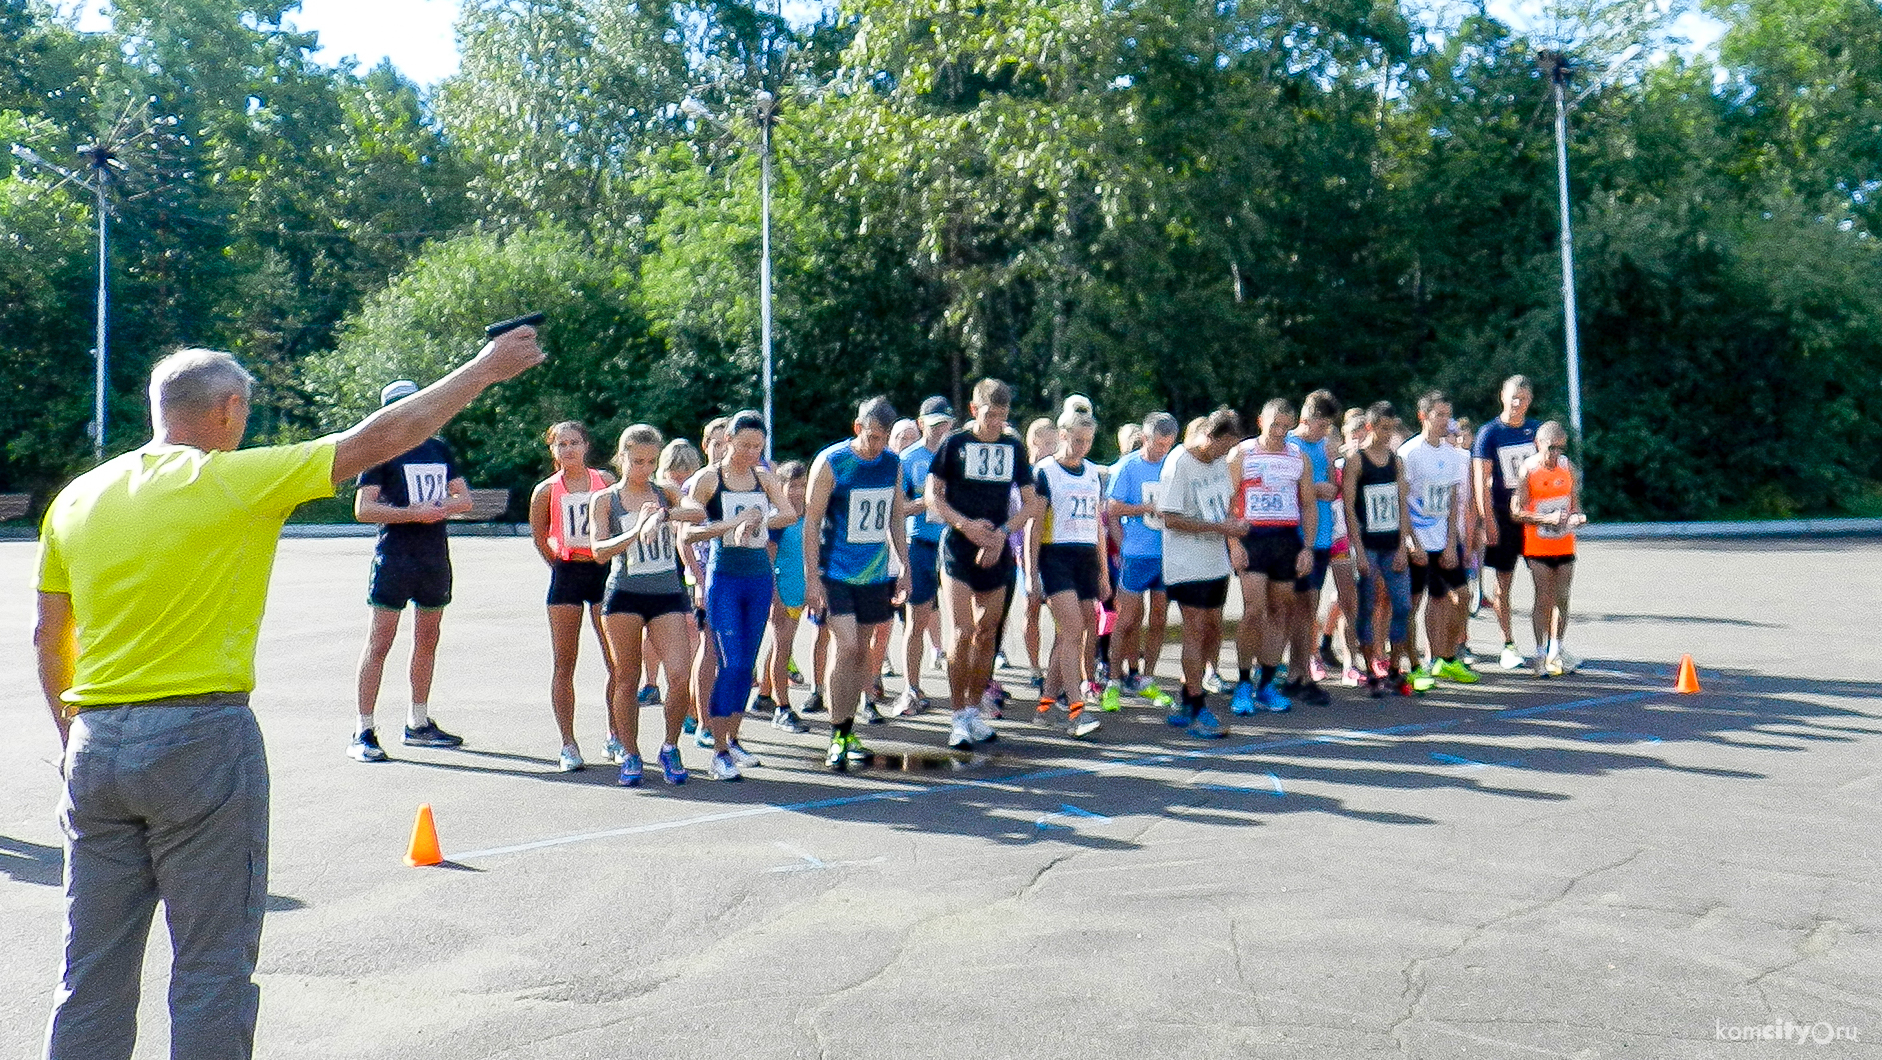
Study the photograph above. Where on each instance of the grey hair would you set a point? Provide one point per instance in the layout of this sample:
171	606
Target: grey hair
1160	424
195	381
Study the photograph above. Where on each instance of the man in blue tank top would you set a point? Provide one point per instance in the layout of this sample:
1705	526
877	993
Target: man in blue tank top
853	519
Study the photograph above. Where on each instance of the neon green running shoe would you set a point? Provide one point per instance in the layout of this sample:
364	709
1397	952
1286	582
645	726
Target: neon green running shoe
1112	699
1455	670
1422	681
1159	698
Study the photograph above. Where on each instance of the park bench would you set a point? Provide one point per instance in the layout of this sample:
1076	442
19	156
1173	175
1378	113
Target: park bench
486	506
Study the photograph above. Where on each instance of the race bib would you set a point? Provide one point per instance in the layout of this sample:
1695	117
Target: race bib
1550	507
1152	491
642	557
1075	516
1212	500
577	531
988	461
1510	458
736	504
1267	505
1437	500
1380	502
869	515
425	484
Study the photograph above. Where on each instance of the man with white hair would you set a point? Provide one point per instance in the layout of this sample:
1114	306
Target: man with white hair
153	572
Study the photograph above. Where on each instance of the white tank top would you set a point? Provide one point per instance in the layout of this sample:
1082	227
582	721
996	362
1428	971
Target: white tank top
1072	510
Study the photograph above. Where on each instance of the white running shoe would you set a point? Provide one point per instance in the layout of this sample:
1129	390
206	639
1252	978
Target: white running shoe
1570	663
1512	659
617	754
723	768
961	734
904	705
1553	663
742	758
981	729
1083	724
571	760
1212	682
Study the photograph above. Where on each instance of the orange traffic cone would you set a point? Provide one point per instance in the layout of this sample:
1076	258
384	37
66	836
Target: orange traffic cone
424	848
1687	682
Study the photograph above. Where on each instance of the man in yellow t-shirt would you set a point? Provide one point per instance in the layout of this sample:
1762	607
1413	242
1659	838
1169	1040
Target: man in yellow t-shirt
153	571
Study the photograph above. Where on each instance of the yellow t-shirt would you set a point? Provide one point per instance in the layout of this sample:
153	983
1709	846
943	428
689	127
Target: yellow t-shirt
166	553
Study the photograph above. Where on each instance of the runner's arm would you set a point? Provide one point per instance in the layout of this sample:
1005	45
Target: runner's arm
782	513
943	512
368	507
56	643
538	519
457	498
402	425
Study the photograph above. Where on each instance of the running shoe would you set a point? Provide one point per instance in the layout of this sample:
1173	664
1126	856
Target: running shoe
854	750
1317	668
1375	687
1038	679
703	738
571	760
764	705
978	727
1094	690
1205	726
615	751
723	768
1082	724
365	748
786	719
630	771
1465	655
993	702
1402	686
1112	700
961	734
429	735
937	659
1455	670
869	713
1421	680
1310	694
1539	665
905	704
1244	701
1138	685
791	671
743	758
999	660
1570	663
1273	701
1212	682
836	758
1350	677
1179	715
814	705
1553	663
689	724
1160	699
1511	658
649	696
671	766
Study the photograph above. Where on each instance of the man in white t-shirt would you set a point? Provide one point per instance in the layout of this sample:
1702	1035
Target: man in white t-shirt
1436	475
1193	494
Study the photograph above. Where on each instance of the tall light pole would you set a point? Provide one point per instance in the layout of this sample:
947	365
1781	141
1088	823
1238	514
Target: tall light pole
767	114
1555	66
100	158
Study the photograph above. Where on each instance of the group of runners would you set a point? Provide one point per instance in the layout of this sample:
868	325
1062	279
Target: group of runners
694	566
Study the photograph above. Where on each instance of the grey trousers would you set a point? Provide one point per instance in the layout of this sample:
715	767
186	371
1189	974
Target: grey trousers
163	800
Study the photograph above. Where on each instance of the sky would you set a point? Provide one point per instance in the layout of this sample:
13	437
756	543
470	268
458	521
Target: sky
416	34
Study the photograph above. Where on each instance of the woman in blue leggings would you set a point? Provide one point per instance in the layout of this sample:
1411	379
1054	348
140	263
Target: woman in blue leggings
741	501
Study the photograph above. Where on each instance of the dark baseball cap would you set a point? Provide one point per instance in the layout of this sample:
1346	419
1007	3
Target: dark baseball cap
936	407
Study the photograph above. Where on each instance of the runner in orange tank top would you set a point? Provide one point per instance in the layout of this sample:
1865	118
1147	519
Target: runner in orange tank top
1547	502
560	521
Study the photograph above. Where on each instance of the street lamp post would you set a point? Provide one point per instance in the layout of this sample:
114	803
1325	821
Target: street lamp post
100	157
767	114
1555	66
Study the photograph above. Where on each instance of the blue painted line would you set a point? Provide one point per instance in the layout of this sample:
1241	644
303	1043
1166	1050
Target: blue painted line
1094	770
1619	737
1556	708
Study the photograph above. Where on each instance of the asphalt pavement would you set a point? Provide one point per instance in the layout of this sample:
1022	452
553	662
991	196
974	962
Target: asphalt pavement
1588	866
